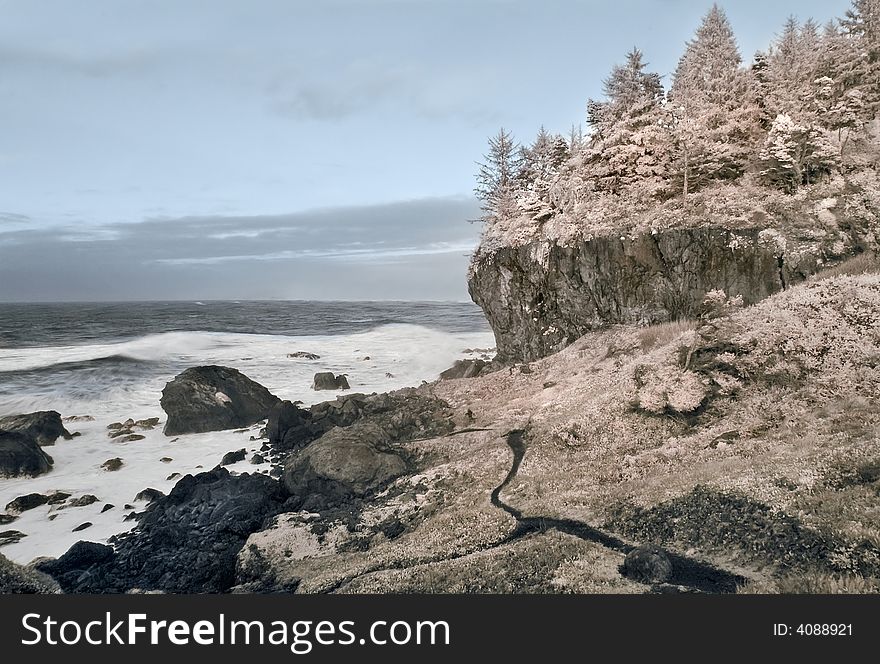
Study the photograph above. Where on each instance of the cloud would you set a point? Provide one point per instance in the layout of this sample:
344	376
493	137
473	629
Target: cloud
406	250
430	92
14	218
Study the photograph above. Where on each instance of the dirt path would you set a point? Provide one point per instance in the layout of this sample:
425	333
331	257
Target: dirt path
687	572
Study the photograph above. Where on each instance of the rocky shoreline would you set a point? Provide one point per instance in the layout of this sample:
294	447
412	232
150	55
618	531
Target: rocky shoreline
636	459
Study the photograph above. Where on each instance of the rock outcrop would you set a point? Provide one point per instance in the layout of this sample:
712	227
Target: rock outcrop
326	380
44	426
21	455
213	398
539	297
186	542
403	415
345	463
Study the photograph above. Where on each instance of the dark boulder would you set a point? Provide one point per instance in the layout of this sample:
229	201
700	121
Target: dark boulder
186	542
82	526
73	568
111	465
326	380
21	455
83	501
648	564
26	502
7	519
213	398
11	536
290	427
343	464
44	426
149	494
233	457
464	369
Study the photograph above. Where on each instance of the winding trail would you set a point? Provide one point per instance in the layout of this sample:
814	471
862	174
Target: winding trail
687	572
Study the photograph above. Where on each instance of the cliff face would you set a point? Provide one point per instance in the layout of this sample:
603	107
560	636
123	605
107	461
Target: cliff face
541	296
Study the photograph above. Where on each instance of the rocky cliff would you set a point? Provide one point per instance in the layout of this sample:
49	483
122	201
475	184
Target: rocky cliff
541	296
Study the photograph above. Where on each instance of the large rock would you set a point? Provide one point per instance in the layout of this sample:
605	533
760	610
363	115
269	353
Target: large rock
213	398
343	464
185	542
541	296
403	415
326	380
21	455
44	426
648	564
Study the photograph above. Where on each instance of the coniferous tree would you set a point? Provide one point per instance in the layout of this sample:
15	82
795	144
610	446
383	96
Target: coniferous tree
628	140
715	115
498	177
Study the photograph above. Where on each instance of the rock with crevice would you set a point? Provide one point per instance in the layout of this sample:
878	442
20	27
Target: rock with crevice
541	296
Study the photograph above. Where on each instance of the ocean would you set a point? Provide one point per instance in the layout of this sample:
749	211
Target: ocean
110	362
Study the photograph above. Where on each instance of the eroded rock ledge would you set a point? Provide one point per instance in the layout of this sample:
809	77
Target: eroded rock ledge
541	296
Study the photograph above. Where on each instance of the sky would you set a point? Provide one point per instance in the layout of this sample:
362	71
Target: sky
291	149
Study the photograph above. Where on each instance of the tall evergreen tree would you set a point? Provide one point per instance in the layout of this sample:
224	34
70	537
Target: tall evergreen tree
498	177
714	110
628	141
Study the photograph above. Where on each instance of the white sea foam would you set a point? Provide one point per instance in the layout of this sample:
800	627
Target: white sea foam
409	353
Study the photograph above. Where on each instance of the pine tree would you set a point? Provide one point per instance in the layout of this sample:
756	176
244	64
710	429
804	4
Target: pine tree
628	141
498	177
715	115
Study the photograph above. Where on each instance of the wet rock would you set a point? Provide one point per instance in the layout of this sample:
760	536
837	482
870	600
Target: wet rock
146	424
83	501
78	418
107	508
7	519
326	380
258	458
213	398
26	502
57	498
233	457
289	426
21	455
45	427
149	495
82	526
11	537
172	476
111	465
130	438
72	568
648	564
166	459
301	354
186	542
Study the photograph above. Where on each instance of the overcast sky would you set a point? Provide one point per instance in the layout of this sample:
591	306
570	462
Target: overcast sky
195	149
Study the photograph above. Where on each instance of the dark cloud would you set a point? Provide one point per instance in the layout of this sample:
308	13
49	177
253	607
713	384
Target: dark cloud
406	250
